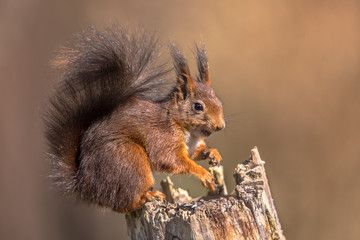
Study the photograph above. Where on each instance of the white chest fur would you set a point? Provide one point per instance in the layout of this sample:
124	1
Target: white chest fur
192	141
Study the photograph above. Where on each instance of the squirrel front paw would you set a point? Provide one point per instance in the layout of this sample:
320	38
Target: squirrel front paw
207	179
213	155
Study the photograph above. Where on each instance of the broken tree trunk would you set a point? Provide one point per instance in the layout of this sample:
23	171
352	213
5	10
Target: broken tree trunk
247	214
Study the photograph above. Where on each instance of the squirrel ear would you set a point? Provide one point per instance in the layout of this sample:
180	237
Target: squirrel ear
202	63
185	81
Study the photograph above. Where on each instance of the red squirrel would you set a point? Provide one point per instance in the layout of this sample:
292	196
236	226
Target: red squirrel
111	123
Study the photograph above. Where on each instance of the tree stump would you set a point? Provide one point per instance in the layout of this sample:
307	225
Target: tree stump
248	213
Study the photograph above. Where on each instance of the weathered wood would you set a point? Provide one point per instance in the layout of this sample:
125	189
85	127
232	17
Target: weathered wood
174	195
220	186
249	214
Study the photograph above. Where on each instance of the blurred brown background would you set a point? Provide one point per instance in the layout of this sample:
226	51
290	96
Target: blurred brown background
289	71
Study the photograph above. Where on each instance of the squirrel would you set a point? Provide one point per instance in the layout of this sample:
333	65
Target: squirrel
110	122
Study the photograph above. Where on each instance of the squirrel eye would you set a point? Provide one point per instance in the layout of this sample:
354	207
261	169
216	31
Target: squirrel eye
198	107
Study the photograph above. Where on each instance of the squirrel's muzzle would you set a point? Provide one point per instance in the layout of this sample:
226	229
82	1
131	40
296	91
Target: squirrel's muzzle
220	126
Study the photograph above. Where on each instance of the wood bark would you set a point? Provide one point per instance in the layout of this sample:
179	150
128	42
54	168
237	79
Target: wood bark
248	213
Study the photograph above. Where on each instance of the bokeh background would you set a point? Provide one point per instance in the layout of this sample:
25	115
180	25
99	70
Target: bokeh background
287	71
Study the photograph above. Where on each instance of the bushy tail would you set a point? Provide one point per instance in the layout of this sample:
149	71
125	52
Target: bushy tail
101	71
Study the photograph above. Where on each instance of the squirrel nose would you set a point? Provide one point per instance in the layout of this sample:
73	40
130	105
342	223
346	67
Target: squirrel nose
220	126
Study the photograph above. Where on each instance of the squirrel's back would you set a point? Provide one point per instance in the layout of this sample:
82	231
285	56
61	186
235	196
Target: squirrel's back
100	72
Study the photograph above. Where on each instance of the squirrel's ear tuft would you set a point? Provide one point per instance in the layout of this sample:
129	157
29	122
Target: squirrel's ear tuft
202	63
185	81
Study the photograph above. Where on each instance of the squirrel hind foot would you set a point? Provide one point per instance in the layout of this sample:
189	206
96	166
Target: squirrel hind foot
153	195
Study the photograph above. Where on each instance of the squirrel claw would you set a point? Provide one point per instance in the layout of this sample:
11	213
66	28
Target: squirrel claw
153	195
208	181
214	163
214	157
209	185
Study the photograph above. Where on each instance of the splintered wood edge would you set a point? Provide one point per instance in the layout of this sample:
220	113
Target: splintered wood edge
168	189
220	186
174	195
256	159
255	156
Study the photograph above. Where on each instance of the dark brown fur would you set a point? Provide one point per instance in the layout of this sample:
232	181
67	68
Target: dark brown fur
108	129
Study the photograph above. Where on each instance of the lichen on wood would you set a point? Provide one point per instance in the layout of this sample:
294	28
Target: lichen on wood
248	214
